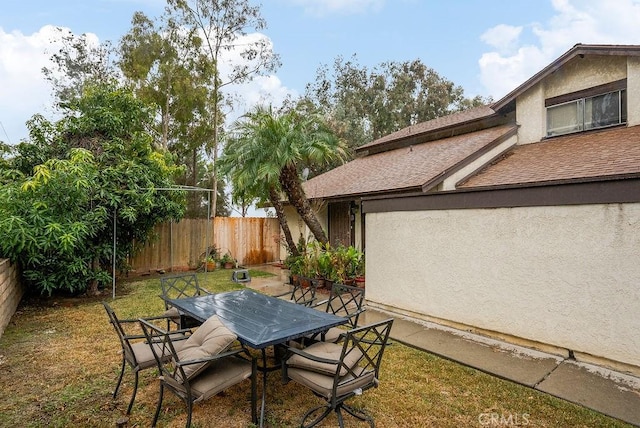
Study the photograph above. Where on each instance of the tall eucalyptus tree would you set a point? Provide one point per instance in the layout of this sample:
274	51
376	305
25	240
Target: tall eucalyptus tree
222	26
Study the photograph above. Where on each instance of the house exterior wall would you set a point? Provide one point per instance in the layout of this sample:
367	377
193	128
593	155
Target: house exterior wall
565	276
576	75
298	227
451	181
633	91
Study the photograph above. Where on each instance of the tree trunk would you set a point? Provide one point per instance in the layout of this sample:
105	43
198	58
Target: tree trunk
282	218
92	290
293	188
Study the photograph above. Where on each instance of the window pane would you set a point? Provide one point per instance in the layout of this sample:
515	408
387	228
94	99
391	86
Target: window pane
564	119
603	110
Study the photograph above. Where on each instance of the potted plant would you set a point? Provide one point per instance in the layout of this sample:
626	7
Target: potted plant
210	258
227	261
211	263
294	264
346	262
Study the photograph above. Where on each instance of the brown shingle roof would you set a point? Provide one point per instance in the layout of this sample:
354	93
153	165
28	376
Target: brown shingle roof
432	125
404	169
604	154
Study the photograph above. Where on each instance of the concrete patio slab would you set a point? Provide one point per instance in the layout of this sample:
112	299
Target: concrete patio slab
608	392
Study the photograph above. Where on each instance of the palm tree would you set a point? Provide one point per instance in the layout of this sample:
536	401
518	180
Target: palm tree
237	163
275	147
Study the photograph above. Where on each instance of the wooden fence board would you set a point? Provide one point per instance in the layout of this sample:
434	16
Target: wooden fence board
180	246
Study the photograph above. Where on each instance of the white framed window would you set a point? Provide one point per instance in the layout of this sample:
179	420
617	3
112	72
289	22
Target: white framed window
583	114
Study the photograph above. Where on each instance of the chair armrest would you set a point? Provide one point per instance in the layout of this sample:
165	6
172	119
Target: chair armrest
307	303
132	320
320	303
355	314
281	295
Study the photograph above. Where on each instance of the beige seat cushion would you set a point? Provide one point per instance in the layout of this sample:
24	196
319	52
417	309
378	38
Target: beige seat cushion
219	376
144	355
172	313
323	384
332	335
210	339
326	350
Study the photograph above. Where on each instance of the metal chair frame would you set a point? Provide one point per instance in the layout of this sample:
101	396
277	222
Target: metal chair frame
345	301
371	341
172	375
178	287
302	295
127	342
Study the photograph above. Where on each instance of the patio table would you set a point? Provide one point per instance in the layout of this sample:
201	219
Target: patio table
258	320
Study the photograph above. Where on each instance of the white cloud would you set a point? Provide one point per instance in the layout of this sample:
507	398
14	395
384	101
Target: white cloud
343	7
261	90
574	21
23	89
502	37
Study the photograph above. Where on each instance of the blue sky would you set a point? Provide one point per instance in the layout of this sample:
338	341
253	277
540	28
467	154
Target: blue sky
488	47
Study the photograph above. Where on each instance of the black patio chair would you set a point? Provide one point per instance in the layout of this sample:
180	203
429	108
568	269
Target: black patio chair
345	301
203	367
301	294
135	352
178	287
337	372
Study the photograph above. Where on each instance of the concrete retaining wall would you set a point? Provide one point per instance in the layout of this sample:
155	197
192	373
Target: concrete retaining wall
11	291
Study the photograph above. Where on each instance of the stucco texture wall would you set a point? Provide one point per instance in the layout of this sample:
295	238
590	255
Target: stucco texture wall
11	291
566	276
576	75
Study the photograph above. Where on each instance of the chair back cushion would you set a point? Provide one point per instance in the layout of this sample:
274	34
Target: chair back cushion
329	351
210	339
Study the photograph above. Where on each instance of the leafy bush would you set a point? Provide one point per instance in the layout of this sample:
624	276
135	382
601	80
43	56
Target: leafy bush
62	191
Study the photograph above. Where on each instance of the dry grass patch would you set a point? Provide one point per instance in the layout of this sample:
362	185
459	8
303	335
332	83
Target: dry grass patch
59	362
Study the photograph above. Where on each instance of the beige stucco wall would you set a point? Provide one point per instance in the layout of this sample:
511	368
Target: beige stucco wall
11	291
565	276
298	227
576	75
450	182
633	91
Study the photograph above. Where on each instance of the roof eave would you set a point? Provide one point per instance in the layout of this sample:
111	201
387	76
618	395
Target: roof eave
577	50
435	134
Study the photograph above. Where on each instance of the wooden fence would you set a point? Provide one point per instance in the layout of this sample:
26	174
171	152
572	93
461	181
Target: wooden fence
180	246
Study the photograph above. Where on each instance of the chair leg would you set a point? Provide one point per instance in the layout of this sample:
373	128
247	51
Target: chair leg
159	406
316	421
115	392
254	392
189	410
363	416
135	390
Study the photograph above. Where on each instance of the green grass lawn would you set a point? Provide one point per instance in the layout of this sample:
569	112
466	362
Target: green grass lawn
59	362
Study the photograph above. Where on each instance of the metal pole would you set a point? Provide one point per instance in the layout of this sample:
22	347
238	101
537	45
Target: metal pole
171	245
206	243
113	273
